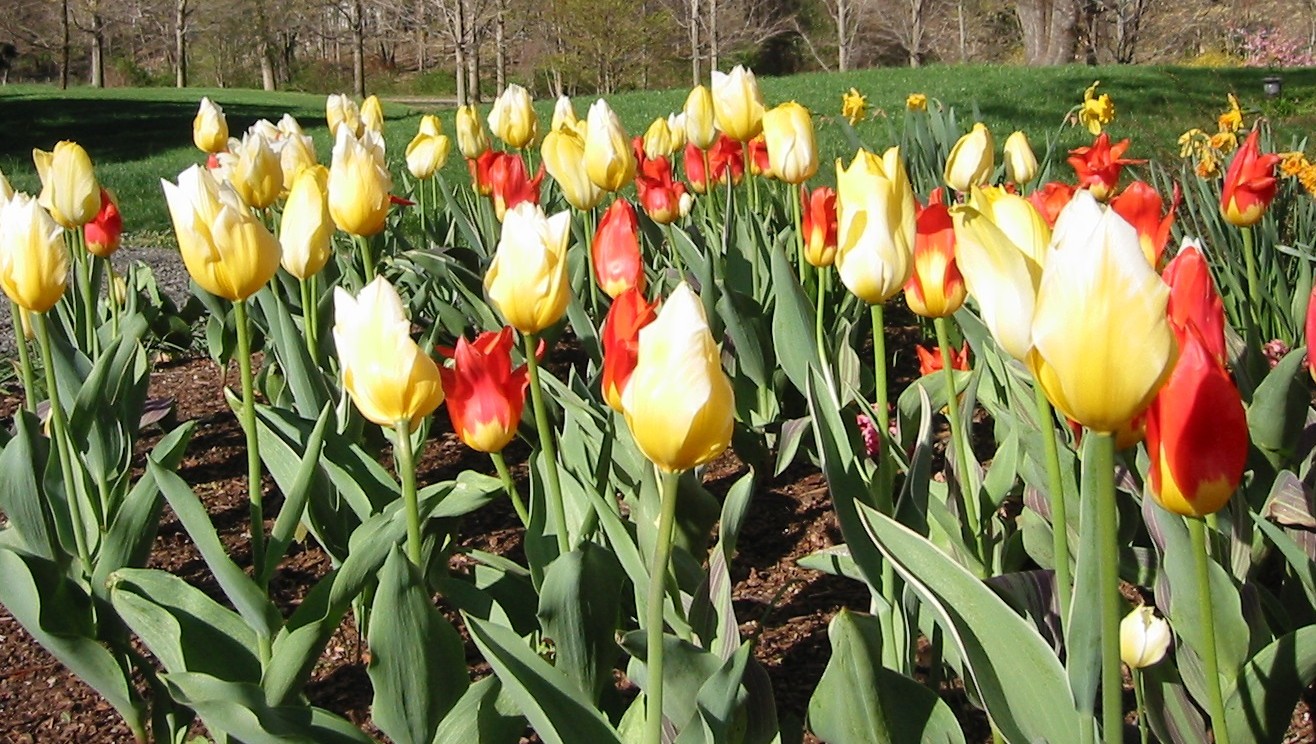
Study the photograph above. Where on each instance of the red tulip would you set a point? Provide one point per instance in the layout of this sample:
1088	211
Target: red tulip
819	225
621	341
935	288
725	154
618	264
511	184
105	229
485	395
1140	206
1311	332
759	164
1197	434
1050	199
929	360
1250	183
1195	301
1098	166
480	167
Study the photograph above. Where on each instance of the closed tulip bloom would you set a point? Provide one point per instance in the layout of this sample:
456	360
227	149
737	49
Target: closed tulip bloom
527	280
875	225
359	185
103	233
69	190
306	228
33	261
427	152
564	115
341	111
1002	276
1102	346
972	160
471	138
296	152
700	124
664	199
384	371
759	164
620	336
618	263
257	174
1140	206
563	152
266	129
678	402
485	394
819	217
1194	299
792	151
1197	434
372	115
1310	328
737	104
725	156
481	168
658	139
512	185
513	118
227	251
936	288
1050	199
1249	184
1144	638
1099	166
608	157
676	128
1020	162
209	128
288	126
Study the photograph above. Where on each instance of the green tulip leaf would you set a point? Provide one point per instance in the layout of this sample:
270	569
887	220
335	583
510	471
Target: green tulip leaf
579	605
240	711
1260	707
484	714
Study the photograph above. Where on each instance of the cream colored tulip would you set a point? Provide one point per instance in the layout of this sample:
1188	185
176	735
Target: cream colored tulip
69	190
1020	162
296	153
676	128
700	123
471	138
563	152
430	124
1144	638
359	184
306	228
341	111
210	128
527	280
257	174
738	104
875	225
609	160
792	151
33	261
6	190
372	115
658	139
564	115
972	160
428	150
678	401
266	129
513	118
289	126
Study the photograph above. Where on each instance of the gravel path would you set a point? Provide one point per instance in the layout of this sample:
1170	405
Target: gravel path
170	275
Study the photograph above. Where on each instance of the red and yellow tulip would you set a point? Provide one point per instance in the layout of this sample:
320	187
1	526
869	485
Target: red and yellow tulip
621	342
1249	184
1099	165
485	394
618	263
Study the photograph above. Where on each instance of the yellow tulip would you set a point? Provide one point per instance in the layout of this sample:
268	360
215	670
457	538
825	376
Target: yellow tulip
428	151
1102	346
296	153
430	124
69	190
33	261
1020	162
1001	246
792	152
359	184
738	104
658	139
228	252
257	174
972	160
209	128
700	128
678	402
527	280
372	115
564	159
1144	638
341	111
306	227
875	225
564	115
471	139
266	129
289	126
609	160
513	118
388	376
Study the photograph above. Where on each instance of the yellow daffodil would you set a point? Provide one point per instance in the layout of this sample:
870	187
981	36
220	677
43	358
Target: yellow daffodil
1096	110
854	106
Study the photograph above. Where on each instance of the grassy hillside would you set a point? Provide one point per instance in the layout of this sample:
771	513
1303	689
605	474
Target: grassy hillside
137	136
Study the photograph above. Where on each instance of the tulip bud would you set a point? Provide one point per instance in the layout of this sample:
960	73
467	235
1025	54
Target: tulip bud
209	128
676	128
257	174
359	185
372	115
660	194
33	261
608	157
485	395
471	139
69	190
563	152
658	139
306	228
700	129
228	252
1194	299
1140	206
759	164
1144	638
875	225
511	185
936	288
1310	328
819	219
428	151
972	160
1020	162
527	280
618	263
102	234
387	375
1050	199
788	129
678	402
1249	184
341	111
296	152
737	104
621	342
513	118
564	115
686	202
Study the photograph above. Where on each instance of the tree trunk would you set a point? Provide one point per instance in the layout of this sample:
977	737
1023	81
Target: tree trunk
64	45
964	45
712	35
473	71
842	35
1050	30
422	36
97	45
358	49
915	32
459	50
500	47
694	42
180	43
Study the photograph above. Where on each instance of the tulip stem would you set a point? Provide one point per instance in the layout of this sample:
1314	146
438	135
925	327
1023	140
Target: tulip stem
818	318
254	494
676	254
1202	560
509	485
879	377
1112	683
24	360
406	464
799	232
111	292
547	448
367	257
1253	284
959	440
1056	499
591	230
662	554
1139	696
708	177
59	430
85	273
308	315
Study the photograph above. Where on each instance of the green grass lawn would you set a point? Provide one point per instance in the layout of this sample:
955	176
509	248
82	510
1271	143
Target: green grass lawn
137	136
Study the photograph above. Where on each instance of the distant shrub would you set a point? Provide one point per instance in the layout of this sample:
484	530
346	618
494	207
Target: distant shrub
1264	46
1214	58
